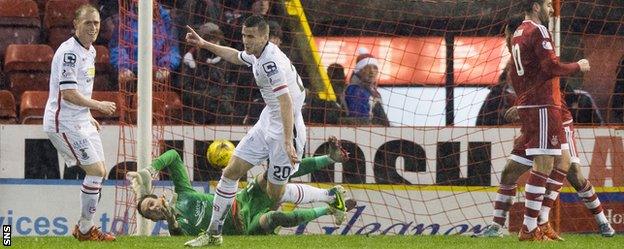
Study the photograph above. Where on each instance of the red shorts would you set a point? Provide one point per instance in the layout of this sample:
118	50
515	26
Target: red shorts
568	129
543	130
518	154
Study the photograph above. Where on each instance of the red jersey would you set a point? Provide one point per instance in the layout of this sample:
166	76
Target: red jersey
536	66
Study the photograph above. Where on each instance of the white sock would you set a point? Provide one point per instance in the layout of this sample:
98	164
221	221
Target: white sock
302	194
224	194
601	218
90	193
544	214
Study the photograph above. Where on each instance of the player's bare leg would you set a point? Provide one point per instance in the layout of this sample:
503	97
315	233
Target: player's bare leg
534	192
224	194
586	192
89	198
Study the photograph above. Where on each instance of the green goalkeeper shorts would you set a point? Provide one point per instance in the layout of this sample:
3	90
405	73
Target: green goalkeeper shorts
253	202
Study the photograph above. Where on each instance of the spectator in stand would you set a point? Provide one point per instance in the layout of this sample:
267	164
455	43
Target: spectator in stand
500	98
235	16
207	92
275	33
197	12
361	96
123	47
319	111
617	99
337	77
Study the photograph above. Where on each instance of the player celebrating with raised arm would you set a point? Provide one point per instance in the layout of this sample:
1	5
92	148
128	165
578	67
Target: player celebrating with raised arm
279	135
251	210
533	74
518	163
68	121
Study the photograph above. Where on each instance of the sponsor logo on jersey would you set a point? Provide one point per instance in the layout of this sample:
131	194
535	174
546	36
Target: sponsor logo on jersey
69	60
91	72
269	68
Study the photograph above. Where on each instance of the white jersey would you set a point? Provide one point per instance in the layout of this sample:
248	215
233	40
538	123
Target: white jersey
275	75
73	67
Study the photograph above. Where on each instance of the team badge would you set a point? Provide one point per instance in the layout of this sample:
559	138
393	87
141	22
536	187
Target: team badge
554	140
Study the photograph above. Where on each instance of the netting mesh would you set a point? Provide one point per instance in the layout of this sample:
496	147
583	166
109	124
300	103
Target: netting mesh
425	156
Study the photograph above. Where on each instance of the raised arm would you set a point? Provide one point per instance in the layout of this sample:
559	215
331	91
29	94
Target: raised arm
227	53
549	61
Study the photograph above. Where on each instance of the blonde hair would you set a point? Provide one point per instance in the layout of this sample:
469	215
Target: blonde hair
85	8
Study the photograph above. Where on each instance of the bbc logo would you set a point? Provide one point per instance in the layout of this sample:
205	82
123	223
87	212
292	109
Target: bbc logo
6	235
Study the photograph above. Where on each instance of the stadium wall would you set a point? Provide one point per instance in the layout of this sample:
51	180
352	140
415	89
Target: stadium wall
425	163
51	209
422	207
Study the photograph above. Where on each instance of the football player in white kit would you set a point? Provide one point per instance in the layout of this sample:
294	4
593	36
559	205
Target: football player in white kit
68	121
279	135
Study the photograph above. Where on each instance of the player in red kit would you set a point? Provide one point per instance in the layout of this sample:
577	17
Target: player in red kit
539	99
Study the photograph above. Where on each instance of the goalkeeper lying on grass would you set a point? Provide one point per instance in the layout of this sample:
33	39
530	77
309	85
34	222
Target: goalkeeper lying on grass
189	211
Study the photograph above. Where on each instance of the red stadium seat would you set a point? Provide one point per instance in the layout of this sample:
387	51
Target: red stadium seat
32	107
58	20
19	23
166	106
7	108
28	67
112	97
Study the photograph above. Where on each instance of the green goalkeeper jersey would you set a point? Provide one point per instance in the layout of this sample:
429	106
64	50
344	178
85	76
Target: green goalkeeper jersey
193	209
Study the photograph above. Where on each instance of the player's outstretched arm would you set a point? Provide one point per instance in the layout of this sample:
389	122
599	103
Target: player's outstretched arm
550	62
171	160
227	53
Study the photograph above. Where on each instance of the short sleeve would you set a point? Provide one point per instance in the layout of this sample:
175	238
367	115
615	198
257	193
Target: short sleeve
246	58
68	78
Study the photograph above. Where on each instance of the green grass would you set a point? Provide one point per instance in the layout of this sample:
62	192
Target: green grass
325	241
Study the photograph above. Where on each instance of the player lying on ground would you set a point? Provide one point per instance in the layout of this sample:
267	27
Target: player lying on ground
251	211
519	163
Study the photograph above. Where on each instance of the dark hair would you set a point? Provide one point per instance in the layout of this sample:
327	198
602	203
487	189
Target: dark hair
141	200
275	29
527	5
85	8
512	23
256	21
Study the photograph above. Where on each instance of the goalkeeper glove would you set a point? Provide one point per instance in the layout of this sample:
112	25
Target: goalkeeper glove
141	181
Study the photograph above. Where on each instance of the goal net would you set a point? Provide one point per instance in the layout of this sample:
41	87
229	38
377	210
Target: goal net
429	160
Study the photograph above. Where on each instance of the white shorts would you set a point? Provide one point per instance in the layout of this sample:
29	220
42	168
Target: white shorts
256	147
82	146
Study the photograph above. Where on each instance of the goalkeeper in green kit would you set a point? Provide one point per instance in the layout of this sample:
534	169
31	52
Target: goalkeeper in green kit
189	211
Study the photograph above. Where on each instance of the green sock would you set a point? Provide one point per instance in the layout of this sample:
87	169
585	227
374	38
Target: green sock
168	158
311	164
296	217
308	214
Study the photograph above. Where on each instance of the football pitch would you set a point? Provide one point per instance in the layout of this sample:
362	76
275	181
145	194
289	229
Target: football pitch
324	241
